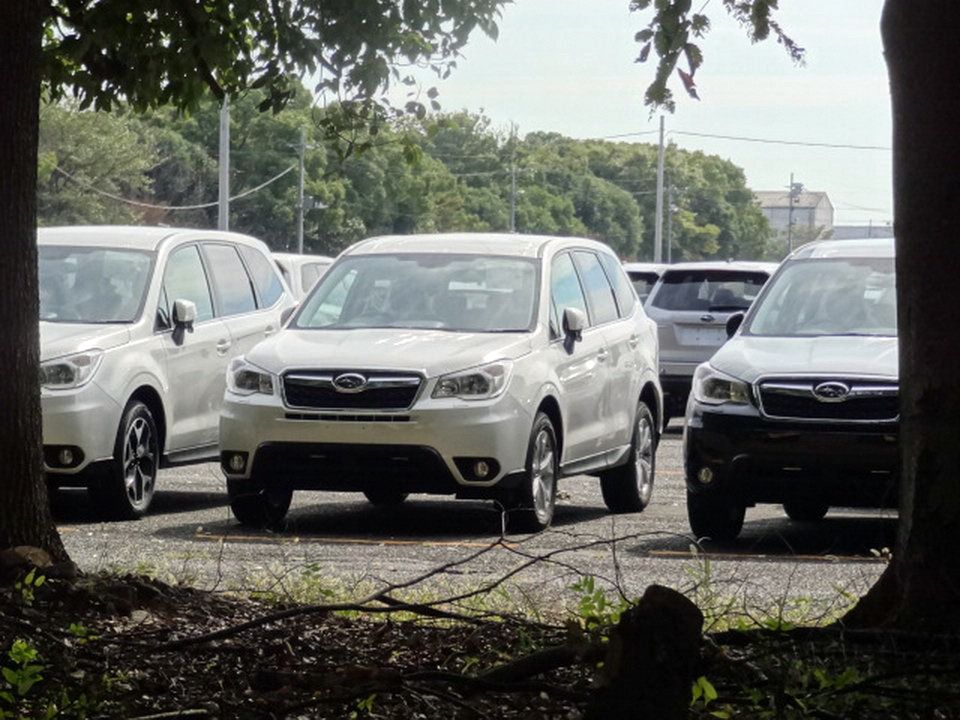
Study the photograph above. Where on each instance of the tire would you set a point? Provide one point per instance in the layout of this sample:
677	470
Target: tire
627	489
385	496
805	510
257	507
715	516
532	508
124	489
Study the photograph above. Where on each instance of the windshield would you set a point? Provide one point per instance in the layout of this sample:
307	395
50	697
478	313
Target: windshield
710	290
848	296
467	293
92	284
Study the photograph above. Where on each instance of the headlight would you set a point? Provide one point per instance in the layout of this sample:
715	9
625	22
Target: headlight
71	371
244	378
480	383
713	387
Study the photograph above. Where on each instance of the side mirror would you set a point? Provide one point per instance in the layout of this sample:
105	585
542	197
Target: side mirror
184	313
733	323
574	323
287	314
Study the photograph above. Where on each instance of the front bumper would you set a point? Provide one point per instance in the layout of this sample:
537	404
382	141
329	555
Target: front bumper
763	461
86	419
334	450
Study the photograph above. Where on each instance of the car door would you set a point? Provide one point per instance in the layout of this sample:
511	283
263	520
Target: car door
580	366
196	359
624	339
604	317
236	300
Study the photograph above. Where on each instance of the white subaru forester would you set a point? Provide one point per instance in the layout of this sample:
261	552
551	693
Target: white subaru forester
479	365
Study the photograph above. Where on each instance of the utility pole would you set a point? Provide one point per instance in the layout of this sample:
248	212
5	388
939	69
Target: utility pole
223	162
658	221
513	178
794	194
301	152
670	224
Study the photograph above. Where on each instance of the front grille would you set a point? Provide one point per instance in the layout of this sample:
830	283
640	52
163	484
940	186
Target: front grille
380	389
797	399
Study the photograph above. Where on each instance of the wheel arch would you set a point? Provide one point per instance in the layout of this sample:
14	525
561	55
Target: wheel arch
149	396
550	406
650	395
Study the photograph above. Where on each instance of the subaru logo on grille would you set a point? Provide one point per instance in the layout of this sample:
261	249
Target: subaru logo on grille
349	383
831	391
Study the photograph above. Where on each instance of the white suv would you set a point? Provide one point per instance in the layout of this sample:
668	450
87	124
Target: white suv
137	326
485	366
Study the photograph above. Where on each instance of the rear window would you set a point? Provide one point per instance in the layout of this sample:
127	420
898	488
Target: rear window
643	282
708	290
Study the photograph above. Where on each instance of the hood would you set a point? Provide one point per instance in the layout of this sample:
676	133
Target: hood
748	357
431	352
59	339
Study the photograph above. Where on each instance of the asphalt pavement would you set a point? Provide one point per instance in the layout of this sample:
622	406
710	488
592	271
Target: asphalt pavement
337	543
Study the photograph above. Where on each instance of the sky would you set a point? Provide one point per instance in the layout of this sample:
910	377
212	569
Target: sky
568	66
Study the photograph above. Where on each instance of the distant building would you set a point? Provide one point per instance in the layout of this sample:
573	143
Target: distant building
851	232
811	211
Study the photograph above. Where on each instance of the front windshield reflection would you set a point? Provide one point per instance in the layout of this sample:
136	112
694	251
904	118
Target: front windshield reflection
92	284
848	296
464	293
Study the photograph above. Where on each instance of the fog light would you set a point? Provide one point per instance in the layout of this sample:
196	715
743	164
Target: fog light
481	469
65	456
237	462
705	475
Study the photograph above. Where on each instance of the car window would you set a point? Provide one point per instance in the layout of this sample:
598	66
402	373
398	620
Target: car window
708	290
643	282
310	273
92	284
565	289
265	280
444	291
185	279
230	279
622	289
830	296
603	307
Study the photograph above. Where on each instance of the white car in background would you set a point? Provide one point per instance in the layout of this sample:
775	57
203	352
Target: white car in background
137	326
477	365
644	276
301	272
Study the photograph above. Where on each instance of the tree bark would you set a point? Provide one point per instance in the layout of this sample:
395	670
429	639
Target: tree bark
24	508
920	589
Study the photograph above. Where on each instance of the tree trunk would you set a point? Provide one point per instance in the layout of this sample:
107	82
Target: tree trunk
24	508
920	590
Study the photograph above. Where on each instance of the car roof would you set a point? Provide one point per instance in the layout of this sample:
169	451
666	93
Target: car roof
468	243
645	267
747	265
131	237
295	257
864	247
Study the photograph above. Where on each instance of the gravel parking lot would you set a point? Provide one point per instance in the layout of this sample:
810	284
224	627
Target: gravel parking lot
346	545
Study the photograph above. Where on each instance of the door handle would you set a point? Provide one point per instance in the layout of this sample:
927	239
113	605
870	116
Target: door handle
223	346
269	331
634	341
602	355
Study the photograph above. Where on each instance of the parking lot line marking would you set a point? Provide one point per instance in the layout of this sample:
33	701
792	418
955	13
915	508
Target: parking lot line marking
343	541
767	557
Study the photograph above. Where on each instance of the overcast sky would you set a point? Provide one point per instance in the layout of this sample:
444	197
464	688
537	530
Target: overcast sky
567	66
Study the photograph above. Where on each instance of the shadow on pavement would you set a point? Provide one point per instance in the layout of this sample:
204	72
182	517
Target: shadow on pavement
74	505
838	535
420	518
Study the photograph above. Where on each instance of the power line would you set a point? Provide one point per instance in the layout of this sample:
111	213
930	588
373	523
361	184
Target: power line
771	141
152	206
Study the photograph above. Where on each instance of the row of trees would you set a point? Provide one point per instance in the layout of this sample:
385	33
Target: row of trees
433	174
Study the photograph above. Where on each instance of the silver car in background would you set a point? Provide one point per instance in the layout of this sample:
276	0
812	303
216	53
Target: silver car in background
137	327
691	304
301	272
